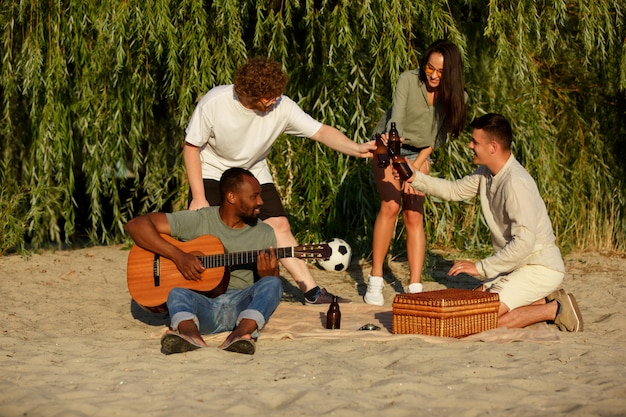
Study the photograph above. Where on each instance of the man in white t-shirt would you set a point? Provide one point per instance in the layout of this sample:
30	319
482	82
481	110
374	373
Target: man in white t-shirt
236	126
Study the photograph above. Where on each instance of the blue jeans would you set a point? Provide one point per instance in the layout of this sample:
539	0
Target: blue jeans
223	313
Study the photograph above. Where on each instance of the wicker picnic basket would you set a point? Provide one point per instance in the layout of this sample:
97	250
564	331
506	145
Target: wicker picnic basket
450	312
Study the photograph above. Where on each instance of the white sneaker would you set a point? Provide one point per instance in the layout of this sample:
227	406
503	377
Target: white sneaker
374	294
416	287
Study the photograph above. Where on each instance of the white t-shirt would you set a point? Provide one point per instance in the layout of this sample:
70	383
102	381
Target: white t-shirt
231	135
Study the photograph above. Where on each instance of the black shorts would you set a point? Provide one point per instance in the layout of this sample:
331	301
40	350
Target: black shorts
272	206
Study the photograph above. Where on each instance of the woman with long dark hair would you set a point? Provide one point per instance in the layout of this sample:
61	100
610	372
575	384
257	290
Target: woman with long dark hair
428	106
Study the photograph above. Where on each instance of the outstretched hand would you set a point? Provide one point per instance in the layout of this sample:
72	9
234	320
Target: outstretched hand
463	267
366	150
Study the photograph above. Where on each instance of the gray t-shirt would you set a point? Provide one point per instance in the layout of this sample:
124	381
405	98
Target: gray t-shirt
188	225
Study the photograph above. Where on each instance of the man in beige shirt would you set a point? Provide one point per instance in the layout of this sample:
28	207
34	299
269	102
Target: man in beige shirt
526	268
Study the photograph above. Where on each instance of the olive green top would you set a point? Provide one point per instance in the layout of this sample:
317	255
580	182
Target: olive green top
418	123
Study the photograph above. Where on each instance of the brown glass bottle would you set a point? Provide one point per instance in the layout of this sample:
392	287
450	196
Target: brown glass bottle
381	152
333	316
393	139
400	165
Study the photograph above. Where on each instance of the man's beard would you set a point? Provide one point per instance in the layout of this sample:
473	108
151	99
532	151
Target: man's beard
250	220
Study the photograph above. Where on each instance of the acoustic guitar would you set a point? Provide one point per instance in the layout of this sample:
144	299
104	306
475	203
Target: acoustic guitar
151	276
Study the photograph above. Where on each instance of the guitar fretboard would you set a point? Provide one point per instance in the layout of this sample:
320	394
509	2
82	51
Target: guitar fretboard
250	257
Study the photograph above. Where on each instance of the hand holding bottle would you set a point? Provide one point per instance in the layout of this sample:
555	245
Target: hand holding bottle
381	152
401	167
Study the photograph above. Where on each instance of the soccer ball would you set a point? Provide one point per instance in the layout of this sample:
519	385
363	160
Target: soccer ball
339	256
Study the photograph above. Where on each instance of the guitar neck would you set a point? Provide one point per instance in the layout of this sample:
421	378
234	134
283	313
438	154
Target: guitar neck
248	257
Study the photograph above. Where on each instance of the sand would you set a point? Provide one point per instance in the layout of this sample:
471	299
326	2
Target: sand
73	344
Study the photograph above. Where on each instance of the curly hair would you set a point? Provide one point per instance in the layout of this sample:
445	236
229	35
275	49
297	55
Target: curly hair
260	78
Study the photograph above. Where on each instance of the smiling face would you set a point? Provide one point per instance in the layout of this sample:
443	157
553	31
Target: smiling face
482	146
248	198
434	70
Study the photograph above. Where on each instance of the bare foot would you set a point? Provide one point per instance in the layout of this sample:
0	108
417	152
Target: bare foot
240	340
189	329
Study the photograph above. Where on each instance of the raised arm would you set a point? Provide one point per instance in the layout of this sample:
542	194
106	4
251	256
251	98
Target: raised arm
336	140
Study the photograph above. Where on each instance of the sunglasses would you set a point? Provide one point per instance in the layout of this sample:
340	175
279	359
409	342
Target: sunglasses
268	102
430	71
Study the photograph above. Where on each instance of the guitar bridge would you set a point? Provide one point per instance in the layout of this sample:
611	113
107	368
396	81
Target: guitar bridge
156	270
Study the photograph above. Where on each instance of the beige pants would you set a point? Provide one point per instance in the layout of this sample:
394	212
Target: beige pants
525	285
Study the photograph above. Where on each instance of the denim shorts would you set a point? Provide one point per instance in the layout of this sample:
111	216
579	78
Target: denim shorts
412	153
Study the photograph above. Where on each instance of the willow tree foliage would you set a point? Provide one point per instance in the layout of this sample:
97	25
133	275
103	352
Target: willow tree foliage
96	95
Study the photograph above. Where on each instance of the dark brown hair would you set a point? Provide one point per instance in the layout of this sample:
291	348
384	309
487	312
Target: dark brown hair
497	128
451	90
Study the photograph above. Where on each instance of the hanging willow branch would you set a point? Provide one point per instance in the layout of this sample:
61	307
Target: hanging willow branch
96	95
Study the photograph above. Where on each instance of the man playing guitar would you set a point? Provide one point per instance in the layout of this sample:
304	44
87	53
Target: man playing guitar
254	290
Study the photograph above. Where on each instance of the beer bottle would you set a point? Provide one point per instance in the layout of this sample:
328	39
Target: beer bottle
333	316
393	139
400	165
381	152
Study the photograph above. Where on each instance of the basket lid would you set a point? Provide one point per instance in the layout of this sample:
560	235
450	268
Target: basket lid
447	297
